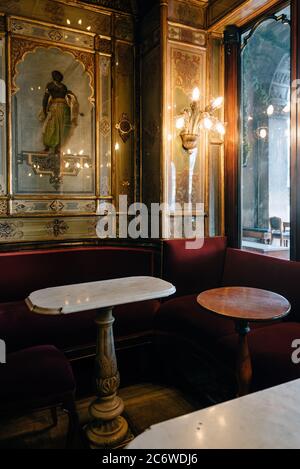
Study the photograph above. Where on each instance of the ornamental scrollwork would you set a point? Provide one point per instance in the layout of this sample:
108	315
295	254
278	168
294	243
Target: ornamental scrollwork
21	47
187	70
3	207
11	230
108	386
57	227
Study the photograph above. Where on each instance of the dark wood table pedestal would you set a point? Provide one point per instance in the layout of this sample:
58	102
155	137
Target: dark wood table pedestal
243	305
244	365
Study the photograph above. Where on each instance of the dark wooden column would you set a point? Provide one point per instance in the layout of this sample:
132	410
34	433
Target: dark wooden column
295	133
232	139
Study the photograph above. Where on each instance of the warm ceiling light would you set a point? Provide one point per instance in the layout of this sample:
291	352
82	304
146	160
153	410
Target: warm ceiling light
196	94
68	21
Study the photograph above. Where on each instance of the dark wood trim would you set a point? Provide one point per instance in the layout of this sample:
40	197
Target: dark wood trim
295	133
232	152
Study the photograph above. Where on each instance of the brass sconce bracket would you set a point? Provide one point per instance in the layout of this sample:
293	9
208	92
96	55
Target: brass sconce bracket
124	127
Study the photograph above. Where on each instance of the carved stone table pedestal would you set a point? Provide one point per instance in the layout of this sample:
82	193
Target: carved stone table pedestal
107	428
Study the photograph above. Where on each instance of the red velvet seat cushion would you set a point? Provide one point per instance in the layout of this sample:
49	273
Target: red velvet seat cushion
21	328
35	373
183	316
255	270
271	351
193	270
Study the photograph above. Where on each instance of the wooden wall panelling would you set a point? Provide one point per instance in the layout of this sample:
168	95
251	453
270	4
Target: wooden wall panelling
151	97
232	138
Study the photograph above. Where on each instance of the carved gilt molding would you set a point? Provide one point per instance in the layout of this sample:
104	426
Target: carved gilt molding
21	47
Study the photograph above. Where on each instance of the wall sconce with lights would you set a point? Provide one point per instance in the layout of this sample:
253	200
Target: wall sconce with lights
192	120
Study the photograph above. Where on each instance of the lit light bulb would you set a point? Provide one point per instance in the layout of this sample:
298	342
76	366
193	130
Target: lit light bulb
287	108
78	165
220	128
180	123
79	21
250	118
86	165
117	146
270	110
67	164
263	133
81	152
68	21
69	151
89	28
217	103
207	122
196	94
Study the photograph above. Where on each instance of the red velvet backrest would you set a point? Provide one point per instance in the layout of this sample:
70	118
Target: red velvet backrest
23	272
249	269
193	270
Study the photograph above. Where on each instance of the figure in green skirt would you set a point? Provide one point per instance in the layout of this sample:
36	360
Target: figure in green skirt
59	114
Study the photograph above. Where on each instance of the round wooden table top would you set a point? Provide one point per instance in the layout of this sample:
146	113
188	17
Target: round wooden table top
249	304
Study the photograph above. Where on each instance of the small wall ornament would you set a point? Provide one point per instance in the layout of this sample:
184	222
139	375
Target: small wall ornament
124	127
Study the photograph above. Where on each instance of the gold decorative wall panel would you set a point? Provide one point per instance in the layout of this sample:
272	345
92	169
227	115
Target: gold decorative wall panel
71	79
192	13
188	35
124	151
60	14
105	125
47	229
185	181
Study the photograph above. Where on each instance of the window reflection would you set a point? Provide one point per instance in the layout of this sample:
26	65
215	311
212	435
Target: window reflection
265	139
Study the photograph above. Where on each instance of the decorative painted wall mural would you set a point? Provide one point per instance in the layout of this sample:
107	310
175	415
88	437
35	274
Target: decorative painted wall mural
53	123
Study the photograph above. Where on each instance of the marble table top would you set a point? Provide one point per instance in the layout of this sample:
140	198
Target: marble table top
93	295
268	419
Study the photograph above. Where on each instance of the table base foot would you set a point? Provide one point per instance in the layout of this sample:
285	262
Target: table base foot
109	434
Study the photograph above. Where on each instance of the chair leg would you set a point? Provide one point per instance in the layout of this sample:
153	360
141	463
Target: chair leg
73	428
53	411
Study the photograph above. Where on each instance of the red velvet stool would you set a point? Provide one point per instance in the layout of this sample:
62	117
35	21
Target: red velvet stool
36	378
